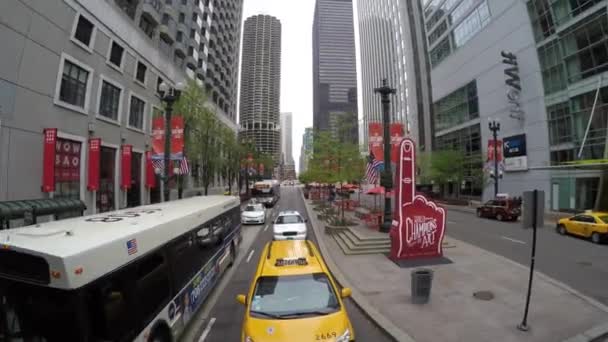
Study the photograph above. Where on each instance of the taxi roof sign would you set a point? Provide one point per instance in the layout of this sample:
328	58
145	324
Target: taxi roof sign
291	262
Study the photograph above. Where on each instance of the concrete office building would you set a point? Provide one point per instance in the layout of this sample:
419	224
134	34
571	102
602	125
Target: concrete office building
286	138
392	46
561	53
334	68
90	69
261	84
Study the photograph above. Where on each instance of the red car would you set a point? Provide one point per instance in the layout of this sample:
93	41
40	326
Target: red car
500	209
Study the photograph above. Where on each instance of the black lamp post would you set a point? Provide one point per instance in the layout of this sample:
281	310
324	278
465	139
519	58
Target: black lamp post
168	95
494	126
387	176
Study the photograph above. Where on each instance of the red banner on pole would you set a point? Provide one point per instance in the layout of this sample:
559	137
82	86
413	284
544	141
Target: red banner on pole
150	176
491	150
396	131
376	141
127	151
177	135
419	224
48	160
158	135
94	157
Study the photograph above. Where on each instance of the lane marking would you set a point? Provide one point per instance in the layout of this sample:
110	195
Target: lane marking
266	227
207	330
513	240
250	255
452	222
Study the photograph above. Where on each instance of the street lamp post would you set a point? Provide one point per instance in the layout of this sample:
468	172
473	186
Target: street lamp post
494	126
168	95
387	176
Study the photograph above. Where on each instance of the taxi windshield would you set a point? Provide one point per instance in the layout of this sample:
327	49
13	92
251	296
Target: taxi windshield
286	297
288	219
604	218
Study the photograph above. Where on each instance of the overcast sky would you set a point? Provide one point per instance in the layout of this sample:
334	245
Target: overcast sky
296	18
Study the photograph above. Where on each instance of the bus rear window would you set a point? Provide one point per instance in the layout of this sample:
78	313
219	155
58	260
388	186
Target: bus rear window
24	266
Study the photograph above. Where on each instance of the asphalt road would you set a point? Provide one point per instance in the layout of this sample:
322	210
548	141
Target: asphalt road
576	262
221	319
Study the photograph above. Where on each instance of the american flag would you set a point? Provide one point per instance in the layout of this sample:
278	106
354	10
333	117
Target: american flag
372	172
184	167
132	246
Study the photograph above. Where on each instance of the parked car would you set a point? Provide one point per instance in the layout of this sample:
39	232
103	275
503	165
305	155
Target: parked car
289	225
254	214
591	224
500	209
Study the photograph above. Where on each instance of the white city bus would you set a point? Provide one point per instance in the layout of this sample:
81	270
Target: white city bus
137	274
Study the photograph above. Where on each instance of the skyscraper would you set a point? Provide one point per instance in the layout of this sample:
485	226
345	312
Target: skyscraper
286	137
306	149
261	84
334	66
392	47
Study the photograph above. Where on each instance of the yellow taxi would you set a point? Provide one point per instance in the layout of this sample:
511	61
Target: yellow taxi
294	298
590	224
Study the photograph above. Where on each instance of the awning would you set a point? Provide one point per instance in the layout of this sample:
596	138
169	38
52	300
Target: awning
11	210
590	164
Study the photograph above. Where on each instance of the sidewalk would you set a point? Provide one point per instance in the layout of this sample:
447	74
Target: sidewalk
382	289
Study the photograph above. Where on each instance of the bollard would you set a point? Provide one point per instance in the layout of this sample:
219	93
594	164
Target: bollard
422	280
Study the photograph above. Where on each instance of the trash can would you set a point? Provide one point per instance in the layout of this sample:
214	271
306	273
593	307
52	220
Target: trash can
422	280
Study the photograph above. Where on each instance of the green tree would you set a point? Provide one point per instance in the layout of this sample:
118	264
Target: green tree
335	160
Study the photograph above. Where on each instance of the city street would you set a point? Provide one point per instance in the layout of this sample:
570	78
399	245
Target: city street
576	262
220	320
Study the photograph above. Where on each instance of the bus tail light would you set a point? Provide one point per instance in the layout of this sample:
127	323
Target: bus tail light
56	274
78	271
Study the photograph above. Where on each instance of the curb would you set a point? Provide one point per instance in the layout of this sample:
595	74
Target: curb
382	322
587	336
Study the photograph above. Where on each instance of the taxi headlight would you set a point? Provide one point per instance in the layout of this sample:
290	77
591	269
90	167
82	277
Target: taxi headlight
345	337
249	339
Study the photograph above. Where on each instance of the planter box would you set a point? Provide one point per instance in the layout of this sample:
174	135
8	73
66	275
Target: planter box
329	229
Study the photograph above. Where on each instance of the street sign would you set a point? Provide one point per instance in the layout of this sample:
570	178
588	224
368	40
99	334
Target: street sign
533	207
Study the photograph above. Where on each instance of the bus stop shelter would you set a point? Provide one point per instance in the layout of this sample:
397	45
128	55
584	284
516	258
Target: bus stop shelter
30	210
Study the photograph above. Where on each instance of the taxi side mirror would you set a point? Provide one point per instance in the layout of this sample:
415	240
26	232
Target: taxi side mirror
346	292
241	299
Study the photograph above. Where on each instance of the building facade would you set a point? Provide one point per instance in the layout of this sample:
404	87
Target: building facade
261	84
306	149
90	69
536	66
286	138
392	48
334	66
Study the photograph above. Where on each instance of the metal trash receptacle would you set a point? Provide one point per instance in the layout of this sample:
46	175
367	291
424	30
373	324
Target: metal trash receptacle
422	280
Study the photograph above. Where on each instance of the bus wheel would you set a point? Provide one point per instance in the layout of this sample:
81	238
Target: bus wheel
161	334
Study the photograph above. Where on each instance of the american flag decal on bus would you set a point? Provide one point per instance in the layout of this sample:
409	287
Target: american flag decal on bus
132	246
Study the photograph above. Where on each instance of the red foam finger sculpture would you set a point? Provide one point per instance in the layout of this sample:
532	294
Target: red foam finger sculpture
419	224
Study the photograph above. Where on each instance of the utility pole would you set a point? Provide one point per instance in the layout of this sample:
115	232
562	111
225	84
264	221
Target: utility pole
494	126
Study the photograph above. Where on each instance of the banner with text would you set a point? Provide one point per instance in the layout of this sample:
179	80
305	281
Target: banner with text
127	151
48	160
94	158
396	131
177	138
376	141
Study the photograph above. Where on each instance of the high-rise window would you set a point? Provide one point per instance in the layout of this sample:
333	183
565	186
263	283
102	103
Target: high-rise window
74	82
456	108
116	54
136	112
84	31
109	100
147	26
440	52
472	24
140	74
